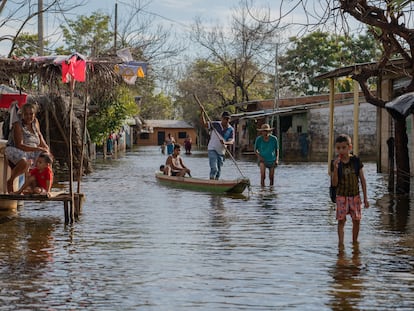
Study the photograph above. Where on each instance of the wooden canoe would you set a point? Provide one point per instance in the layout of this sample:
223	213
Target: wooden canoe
198	184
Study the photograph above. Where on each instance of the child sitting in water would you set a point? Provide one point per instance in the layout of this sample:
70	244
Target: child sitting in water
40	178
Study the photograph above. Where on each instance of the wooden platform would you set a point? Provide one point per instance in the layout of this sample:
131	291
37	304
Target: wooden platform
71	212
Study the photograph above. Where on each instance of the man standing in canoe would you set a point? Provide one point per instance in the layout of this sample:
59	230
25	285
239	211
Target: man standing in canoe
266	148
221	135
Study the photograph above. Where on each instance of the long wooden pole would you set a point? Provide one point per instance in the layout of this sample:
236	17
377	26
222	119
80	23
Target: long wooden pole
116	26
40	28
209	120
85	118
72	199
355	143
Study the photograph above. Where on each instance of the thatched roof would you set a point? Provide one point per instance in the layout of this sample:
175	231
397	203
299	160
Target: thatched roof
100	72
53	99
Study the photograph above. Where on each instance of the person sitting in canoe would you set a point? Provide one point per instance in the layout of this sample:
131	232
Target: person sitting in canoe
174	165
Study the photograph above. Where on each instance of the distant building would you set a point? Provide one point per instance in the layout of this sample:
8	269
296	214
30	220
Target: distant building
154	132
303	129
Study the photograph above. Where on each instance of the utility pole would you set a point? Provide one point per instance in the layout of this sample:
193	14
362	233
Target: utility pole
40	27
235	80
116	25
277	95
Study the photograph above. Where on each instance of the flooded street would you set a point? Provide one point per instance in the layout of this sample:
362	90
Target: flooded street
140	245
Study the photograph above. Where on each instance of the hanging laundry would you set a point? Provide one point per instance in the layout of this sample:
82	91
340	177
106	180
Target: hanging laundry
74	68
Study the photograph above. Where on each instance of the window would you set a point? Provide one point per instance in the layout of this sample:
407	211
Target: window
144	136
299	129
182	135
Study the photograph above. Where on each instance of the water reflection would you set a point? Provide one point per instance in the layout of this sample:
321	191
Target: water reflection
395	212
27	246
219	220
347	284
267	196
143	246
26	250
7	215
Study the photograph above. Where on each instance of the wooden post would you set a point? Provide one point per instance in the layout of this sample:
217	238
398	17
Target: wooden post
79	199
355	143
85	106
66	211
47	125
72	210
331	122
5	171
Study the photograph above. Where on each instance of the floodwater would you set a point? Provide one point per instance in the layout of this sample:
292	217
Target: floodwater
140	245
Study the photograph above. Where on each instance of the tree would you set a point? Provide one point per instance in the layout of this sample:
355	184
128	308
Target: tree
320	52
26	45
113	109
390	23
22	14
309	56
88	35
392	27
158	47
146	40
242	52
211	83
157	107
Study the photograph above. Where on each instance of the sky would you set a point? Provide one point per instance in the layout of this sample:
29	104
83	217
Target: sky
177	14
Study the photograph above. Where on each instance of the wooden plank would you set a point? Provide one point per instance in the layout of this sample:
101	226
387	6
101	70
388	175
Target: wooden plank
71	212
55	196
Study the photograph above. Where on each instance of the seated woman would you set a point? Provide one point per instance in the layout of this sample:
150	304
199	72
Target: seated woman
25	143
174	165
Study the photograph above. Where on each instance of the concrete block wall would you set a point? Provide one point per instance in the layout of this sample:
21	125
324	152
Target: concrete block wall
318	129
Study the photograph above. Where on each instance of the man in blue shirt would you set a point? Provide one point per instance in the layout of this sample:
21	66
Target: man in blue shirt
221	135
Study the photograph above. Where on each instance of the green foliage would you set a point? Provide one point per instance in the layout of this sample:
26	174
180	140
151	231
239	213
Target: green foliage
113	110
88	35
320	52
213	85
158	107
26	45
345	84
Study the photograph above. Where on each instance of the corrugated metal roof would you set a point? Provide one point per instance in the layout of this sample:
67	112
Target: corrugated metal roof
393	66
269	112
167	124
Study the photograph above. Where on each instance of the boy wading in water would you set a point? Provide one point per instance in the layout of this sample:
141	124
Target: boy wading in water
345	171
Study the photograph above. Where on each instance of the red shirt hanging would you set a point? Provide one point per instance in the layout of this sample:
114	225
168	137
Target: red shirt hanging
74	68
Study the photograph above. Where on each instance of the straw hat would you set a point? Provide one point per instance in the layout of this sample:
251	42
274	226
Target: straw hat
265	127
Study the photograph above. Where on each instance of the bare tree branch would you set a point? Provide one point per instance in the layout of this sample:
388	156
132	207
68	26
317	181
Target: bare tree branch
19	15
